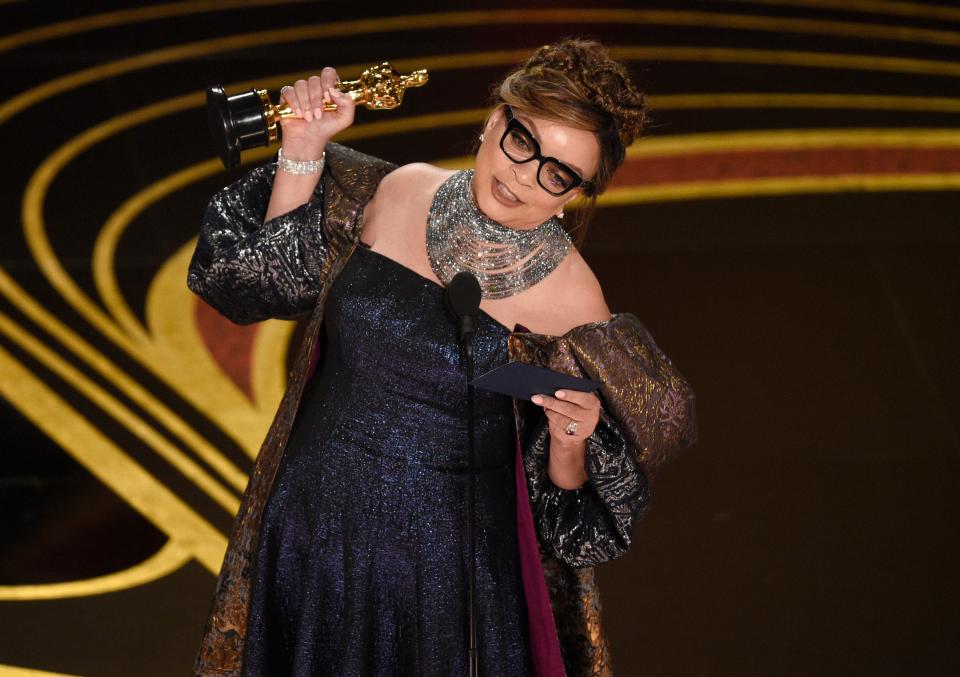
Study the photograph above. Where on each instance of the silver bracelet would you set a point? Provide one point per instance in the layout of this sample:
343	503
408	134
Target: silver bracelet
306	167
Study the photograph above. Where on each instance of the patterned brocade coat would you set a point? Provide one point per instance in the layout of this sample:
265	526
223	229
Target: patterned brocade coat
249	270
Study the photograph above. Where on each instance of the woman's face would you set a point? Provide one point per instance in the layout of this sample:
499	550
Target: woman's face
507	191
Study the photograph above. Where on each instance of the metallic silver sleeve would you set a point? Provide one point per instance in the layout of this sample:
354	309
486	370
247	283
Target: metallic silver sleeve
250	270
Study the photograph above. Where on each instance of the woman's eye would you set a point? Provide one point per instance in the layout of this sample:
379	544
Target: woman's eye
556	179
519	140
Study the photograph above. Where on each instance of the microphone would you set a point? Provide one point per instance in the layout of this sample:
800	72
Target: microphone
463	300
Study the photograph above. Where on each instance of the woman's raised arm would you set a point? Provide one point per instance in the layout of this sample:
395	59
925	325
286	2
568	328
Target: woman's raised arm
261	241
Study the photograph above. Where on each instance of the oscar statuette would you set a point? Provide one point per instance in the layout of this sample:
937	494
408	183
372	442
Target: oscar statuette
250	119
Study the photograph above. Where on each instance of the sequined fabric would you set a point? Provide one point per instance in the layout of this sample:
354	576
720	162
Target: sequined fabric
361	564
225	281
648	410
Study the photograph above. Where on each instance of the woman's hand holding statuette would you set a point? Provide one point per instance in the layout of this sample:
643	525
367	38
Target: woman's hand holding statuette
305	136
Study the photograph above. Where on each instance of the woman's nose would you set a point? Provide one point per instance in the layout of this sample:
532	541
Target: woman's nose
525	173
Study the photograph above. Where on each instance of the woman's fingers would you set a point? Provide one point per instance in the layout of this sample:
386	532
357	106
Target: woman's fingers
328	80
568	409
303	96
570	405
306	97
289	94
557	420
557	424
312	127
585	400
577	407
315	85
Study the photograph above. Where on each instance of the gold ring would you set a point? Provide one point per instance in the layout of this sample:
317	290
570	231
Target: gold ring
571	428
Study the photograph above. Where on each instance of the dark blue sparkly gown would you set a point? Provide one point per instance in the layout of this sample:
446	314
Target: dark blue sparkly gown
361	565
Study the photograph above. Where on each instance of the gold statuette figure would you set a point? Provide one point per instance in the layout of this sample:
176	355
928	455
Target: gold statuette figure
250	119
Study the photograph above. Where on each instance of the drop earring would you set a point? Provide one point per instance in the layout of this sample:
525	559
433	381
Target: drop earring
560	214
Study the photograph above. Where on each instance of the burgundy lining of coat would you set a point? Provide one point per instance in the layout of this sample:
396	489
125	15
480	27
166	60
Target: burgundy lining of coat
314	360
544	644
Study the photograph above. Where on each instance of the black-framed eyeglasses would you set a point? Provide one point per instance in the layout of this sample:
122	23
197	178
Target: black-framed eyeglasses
518	144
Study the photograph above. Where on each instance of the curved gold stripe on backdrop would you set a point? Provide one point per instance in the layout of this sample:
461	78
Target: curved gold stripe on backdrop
268	360
139	346
765	57
124	415
913	9
762	100
135	391
165	561
842	183
205	387
738	188
125	17
170	307
768	139
12	670
110	464
170	314
795	139
801	26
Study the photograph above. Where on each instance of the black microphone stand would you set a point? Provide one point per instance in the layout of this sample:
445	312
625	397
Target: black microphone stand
474	669
463	296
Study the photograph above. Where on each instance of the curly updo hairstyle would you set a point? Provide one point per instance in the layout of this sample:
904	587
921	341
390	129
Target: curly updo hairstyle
575	81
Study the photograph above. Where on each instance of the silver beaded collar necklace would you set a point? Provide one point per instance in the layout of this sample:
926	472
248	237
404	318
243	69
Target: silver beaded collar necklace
504	260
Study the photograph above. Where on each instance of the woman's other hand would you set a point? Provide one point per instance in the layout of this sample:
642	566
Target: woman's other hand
305	136
572	416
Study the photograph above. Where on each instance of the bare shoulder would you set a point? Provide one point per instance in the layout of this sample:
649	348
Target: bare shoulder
411	180
399	194
574	296
585	291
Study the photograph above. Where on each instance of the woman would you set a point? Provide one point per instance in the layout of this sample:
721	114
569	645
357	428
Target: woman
348	556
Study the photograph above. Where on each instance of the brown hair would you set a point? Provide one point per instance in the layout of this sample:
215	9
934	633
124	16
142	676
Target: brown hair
575	81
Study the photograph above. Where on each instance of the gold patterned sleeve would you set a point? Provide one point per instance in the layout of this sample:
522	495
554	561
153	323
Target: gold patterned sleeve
644	392
647	416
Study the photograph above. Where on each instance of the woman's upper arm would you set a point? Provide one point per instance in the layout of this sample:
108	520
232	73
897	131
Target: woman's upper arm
574	298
